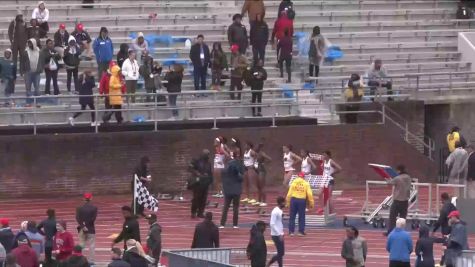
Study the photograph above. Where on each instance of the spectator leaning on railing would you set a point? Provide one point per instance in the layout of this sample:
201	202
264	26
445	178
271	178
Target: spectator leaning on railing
378	77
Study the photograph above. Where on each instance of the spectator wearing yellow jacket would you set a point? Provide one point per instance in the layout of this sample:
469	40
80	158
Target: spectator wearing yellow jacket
299	195
453	137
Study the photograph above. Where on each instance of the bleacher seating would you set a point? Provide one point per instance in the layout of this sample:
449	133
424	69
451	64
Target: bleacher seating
411	36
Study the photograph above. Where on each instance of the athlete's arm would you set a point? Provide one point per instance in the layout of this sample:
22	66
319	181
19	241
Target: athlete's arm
295	157
336	166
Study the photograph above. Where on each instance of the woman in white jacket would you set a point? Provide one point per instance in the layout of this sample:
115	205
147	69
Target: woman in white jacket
130	70
41	14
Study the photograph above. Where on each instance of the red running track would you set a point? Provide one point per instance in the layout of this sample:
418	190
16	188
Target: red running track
321	246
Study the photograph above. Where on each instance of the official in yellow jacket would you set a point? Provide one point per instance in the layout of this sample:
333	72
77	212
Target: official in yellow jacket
299	195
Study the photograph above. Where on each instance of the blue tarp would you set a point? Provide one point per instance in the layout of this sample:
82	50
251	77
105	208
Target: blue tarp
287	91
333	53
309	86
154	39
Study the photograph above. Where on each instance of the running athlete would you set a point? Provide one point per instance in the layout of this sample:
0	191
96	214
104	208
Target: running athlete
262	160
330	168
307	162
250	172
220	154
290	159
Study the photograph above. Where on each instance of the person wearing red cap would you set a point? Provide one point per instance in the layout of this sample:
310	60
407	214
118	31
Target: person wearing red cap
6	235
458	239
61	38
238	67
86	217
83	40
299	196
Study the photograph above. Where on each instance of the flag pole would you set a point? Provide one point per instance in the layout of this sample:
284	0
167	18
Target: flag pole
135	194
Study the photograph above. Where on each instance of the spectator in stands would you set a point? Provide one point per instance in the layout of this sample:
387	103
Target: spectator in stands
18	36
298	198
139	44
284	51
471	172
259	38
154	238
41	14
218	63
282	25
354	248
77	259
86	218
117	260
257	248
146	71
277	231
206	233
25	255
401	194
63	242
34	31
72	60
48	229
104	50
36	239
135	254
21	233
232	179
258	76
316	52
115	87
174	79
8	73
31	67
61	39
463	12
453	137
238	67
378	77
104	90
237	34
200	58
445	210
255	9
458	239
200	169
83	40
425	248
456	163
6	234
51	66
10	261
353	94
285	4
123	54
130	71
130	228
399	245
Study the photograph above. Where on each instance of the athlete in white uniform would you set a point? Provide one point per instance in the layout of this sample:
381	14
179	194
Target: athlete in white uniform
307	162
250	158
220	154
330	168
290	159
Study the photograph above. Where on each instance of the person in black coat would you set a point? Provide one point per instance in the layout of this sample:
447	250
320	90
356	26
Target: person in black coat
174	79
257	248
425	248
259	38
237	34
258	76
117	260
202	177
130	228
48	229
206	233
72	60
141	171
443	221
200	58
6	235
86	218
86	85
232	188
123	54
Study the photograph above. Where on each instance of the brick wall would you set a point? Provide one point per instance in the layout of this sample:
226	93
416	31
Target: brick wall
53	165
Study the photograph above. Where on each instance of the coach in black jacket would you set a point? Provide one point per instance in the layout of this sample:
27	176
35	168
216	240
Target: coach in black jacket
86	217
130	228
443	221
206	233
200	57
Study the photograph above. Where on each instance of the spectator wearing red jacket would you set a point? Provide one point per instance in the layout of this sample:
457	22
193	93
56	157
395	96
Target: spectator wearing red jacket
63	242
284	53
282	24
25	255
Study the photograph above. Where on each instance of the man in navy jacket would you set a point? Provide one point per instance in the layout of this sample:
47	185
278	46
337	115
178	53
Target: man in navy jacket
200	57
232	189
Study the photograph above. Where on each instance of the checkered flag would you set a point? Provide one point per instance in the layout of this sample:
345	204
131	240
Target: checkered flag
143	197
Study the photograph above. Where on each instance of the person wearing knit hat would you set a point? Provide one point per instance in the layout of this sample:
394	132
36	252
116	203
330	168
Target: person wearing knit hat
86	217
239	65
6	235
8	73
41	14
83	39
63	242
298	197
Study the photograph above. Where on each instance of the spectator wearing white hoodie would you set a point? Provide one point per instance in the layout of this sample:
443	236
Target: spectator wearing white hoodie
130	70
41	14
139	45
